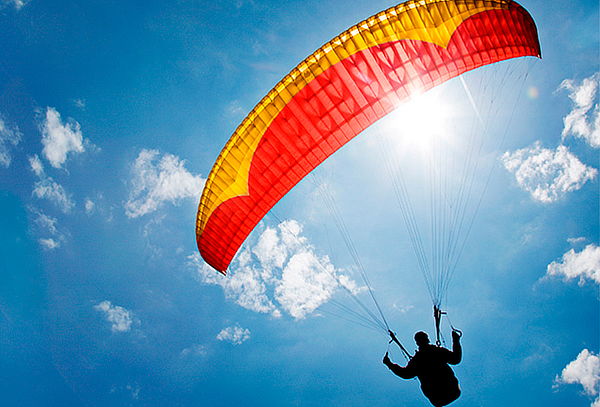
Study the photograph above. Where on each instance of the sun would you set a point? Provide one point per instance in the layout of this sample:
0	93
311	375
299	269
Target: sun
420	124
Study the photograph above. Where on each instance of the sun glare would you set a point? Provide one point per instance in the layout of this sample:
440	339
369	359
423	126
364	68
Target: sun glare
420	124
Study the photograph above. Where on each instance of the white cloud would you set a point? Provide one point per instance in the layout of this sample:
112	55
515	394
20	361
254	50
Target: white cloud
48	189
234	334
9	136
583	265
306	283
584	119
194	350
576	240
131	390
584	370
89	206
234	109
274	247
269	250
60	139
17	4
245	286
48	225
346	282
49	243
120	319
547	174
535	356
36	166
134	390
46	222
281	272
403	309
158	179
80	103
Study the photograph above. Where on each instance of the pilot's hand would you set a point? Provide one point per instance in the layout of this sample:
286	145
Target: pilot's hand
456	335
386	360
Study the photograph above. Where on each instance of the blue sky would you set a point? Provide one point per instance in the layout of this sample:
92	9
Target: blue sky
111	116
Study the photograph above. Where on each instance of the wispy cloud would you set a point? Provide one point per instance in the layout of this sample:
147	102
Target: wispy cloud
547	174
304	285
49	243
245	285
234	334
275	245
80	103
47	225
156	180
134	390
281	272
194	350
36	166
241	3
536	355
576	240
89	206
48	189
10	136
234	109
584	370
59	138
131	390
120	319
584	265
583	120
17	4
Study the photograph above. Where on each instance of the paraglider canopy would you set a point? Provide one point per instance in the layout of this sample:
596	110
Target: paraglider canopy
337	92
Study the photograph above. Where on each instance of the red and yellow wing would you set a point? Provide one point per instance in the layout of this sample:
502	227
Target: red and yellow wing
340	90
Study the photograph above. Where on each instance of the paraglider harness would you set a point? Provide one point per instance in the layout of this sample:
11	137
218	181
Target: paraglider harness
437	316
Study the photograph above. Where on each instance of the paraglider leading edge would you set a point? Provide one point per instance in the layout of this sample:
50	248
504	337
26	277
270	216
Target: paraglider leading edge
337	92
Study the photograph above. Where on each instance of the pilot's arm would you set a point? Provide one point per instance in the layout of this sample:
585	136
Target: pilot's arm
456	355
407	372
